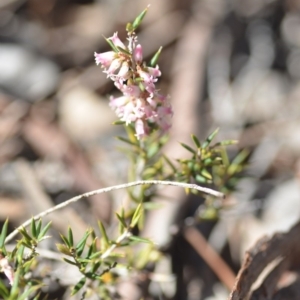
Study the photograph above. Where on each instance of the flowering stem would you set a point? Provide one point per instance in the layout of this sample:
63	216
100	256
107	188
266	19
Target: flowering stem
113	188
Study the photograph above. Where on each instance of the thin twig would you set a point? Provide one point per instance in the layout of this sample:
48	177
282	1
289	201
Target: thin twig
113	188
126	234
212	258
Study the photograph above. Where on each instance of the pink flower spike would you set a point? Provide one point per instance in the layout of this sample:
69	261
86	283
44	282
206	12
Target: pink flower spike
105	59
117	42
138	54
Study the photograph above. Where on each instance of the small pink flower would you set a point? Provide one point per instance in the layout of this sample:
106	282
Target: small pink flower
105	59
145	75
141	129
131	90
154	72
7	269
117	42
124	72
138	54
114	66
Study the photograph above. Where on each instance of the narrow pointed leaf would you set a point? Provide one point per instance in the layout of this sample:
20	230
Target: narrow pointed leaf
70	261
103	233
122	221
112	45
119	122
70	237
139	239
3	290
66	241
44	230
33	228
136	215
188	148
196	141
169	163
125	140
210	138
78	286
155	58
38	227
25	234
81	244
123	50
3	234
138	20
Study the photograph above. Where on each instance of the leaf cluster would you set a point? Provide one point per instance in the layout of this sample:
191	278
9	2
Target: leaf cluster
24	284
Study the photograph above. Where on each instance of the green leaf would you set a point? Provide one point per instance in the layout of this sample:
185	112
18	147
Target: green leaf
3	236
136	216
200	179
152	205
70	261
44	230
206	174
66	241
25	295
103	233
123	50
28	264
210	138
70	237
138	20
122	220
3	290
92	248
112	45
139	239
126	140
63	249
236	165
196	141
81	244
15	286
33	228
119	122
155	58
96	266
78	286
188	148
129	27
153	150
20	253
38	227
26	236
226	143
169	163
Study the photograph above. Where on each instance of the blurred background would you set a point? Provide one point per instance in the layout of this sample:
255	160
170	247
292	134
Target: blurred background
231	64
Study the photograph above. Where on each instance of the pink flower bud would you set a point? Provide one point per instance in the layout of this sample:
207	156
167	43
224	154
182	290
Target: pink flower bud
138	54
